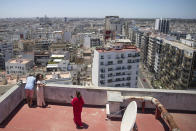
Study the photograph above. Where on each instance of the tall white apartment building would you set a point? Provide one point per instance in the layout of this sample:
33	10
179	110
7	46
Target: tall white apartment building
116	67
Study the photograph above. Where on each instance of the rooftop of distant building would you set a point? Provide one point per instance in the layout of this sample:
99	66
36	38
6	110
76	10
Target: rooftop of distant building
21	61
117	48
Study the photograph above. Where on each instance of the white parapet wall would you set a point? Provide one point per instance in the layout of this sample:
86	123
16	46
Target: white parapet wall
171	99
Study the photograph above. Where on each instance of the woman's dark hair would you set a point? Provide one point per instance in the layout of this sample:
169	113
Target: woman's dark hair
78	94
37	76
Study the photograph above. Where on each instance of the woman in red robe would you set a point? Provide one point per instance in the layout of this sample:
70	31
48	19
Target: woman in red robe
77	103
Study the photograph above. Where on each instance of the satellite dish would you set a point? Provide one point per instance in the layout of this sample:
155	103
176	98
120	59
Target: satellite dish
129	117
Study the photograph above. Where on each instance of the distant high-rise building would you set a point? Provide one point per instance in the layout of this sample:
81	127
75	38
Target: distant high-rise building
65	19
113	27
116	67
162	25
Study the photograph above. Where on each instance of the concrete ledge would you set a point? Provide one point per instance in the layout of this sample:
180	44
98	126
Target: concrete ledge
171	99
63	93
10	100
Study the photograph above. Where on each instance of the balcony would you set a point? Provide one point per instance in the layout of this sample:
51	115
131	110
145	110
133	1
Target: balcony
16	116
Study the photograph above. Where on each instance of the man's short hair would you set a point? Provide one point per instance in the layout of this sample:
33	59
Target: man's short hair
31	74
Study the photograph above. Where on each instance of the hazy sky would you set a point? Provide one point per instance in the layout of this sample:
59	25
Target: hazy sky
99	8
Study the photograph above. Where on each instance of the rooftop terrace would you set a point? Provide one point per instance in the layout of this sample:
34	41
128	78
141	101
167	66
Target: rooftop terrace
15	115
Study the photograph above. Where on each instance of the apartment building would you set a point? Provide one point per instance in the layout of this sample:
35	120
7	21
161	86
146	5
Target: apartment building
151	53
19	66
116	67
132	34
6	48
41	58
6	52
178	66
144	48
113	26
158	50
91	41
138	38
57	63
42	45
162	25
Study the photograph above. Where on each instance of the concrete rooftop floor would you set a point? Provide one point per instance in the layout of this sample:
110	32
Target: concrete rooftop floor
60	118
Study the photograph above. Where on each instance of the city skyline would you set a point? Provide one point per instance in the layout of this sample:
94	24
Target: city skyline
99	9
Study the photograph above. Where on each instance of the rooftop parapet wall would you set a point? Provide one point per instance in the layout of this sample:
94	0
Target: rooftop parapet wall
10	100
171	99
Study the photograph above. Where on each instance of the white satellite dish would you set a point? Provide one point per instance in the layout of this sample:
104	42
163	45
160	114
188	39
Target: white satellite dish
129	117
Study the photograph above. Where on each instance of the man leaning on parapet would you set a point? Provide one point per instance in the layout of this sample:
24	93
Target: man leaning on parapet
29	89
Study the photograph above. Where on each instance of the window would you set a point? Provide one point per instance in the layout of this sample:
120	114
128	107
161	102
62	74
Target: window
110	69
118	79
128	84
129	61
102	82
102	76
119	61
122	56
118	68
110	80
110	62
137	72
110	75
118	74
129	67
102	57
117	85
101	63
102	70
128	78
129	55
117	57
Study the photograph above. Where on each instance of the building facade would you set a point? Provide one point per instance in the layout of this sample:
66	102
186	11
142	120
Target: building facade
116	67
162	25
19	66
178	66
